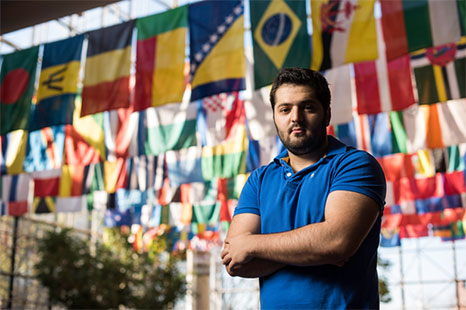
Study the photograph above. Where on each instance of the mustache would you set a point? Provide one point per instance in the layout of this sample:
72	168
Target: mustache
296	126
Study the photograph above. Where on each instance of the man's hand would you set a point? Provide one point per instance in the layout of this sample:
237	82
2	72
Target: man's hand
235	250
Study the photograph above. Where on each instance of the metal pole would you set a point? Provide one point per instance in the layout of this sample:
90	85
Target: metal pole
402	282
455	272
13	257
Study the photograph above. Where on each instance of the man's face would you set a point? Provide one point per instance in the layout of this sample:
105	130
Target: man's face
300	118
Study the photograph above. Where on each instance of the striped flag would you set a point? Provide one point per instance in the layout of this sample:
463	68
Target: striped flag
45	149
17	78
85	139
343	32
46	188
227	159
216	41
15	189
58	83
381	85
160	58
119	127
75	183
170	127
184	166
412	25
440	73
13	151
339	80
106	77
257	105
452	116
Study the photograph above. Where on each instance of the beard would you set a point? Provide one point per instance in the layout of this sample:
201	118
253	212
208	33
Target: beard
306	144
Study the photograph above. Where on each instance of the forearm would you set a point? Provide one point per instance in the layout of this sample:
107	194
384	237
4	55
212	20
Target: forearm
309	245
254	269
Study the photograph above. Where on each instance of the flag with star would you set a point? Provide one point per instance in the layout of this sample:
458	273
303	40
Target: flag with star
16	88
280	38
343	32
216	47
58	84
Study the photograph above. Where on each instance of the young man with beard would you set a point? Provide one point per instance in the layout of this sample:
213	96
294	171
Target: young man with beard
308	223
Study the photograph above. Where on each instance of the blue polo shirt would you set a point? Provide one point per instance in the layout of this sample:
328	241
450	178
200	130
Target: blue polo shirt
285	200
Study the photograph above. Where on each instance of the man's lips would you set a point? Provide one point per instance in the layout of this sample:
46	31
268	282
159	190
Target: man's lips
297	130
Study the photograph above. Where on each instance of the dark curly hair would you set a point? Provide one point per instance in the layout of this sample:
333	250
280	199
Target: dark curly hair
301	76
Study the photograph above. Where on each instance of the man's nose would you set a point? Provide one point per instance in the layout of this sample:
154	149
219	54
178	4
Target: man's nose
295	114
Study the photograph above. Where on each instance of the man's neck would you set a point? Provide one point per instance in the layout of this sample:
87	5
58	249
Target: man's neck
299	162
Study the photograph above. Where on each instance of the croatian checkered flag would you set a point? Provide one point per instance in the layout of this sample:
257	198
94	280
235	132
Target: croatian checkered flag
214	111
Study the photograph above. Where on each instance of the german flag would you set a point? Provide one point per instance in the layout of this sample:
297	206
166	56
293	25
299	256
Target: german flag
107	70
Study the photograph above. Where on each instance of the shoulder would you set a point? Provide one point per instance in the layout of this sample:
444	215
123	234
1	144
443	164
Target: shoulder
358	159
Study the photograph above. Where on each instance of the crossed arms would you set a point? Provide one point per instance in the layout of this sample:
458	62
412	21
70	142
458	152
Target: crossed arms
349	216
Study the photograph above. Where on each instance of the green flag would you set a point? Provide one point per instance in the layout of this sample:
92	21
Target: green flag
280	38
16	89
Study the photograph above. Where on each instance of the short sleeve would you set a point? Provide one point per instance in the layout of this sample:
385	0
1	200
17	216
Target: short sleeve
358	171
248	200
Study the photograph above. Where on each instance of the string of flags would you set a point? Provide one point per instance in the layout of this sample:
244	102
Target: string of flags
167	144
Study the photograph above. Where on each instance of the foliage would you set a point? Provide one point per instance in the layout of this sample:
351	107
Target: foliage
112	276
383	285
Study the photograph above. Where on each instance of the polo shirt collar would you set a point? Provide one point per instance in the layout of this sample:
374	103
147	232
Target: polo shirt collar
335	147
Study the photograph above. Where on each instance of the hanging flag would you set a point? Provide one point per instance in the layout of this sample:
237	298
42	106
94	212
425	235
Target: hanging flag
412	25
74	184
216	47
440	73
339	83
15	190
343	32
279	36
106	77
45	149
217	115
85	139
119	128
452	115
13	150
257	106
145	172
227	159
160	58
184	166
170	127
58	84
46	187
115	176
381	85
17	78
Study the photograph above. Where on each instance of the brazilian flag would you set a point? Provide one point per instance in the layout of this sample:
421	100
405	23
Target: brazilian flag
280	38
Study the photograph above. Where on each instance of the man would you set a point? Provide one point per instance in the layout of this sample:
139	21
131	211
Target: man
308	223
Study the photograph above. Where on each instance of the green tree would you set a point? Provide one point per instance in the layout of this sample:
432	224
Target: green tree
384	292
115	275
